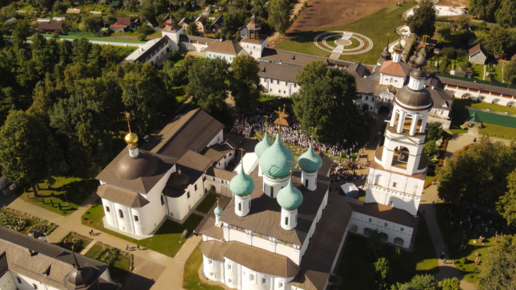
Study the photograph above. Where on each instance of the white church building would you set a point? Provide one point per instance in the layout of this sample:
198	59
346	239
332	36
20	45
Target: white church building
283	229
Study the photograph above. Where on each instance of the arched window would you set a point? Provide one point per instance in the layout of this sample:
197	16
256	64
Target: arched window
239	206
286	220
120	213
401	157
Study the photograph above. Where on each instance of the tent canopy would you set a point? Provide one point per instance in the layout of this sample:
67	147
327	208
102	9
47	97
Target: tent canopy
349	189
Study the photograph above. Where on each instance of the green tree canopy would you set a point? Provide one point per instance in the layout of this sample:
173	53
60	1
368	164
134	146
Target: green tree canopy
507	204
505	15
245	83
483	9
423	21
497	40
192	29
208	71
280	12
382	271
28	152
325	99
478	173
418	282
450	284
21	31
143	92
509	72
499	265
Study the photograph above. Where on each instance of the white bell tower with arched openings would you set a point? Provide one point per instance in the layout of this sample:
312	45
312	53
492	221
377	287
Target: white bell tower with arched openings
397	176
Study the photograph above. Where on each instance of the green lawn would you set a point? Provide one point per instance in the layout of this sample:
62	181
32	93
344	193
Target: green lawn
498	131
454	237
94	250
459	111
191	279
67	242
166	241
478	70
31	221
355	267
207	203
375	26
72	189
120	268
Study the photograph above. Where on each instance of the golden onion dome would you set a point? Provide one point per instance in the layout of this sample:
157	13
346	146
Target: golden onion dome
131	139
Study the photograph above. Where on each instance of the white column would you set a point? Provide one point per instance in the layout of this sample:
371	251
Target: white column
401	122
413	126
423	124
393	117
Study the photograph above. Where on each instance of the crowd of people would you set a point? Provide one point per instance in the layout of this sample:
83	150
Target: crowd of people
263	121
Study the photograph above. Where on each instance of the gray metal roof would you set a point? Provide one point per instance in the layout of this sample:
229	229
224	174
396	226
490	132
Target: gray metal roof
47	263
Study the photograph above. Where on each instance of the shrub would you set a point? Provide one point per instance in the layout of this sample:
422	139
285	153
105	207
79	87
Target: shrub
463	260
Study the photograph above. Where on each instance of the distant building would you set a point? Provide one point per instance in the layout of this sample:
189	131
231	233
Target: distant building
184	23
201	24
476	55
217	24
50	26
30	263
121	24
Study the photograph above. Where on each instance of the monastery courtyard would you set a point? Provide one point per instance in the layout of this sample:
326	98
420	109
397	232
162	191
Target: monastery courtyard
153	270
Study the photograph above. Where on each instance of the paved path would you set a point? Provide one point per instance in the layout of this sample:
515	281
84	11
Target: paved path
150	267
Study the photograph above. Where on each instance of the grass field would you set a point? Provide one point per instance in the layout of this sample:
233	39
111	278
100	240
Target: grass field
207	203
458	118
119	269
167	240
70	192
355	267
191	279
375	26
498	131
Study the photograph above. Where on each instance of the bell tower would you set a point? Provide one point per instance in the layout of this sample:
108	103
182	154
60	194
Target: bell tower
397	175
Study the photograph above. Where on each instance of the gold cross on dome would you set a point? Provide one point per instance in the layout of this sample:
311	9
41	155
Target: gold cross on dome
292	166
241	152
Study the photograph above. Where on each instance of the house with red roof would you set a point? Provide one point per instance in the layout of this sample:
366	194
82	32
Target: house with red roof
476	55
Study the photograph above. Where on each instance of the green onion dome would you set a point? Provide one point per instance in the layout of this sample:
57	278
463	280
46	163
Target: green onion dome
262	145
275	160
241	184
310	161
289	197
218	211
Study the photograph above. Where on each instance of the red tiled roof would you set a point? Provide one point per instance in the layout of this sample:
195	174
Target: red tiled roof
475	49
123	21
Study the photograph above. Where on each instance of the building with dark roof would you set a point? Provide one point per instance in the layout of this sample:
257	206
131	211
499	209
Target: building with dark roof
477	55
50	26
28	263
140	189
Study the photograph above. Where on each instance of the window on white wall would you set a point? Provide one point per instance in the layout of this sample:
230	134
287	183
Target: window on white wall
280	285
188	194
394	184
229	266
264	281
120	214
136	218
107	209
162	200
370	220
401	229
195	187
19	280
386	224
210	262
251	277
35	286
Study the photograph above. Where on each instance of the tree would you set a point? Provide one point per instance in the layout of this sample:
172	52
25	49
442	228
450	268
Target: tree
145	30
435	131
483	9
21	31
279	15
449	52
505	15
423	20
374	244
462	21
232	21
479	173
509	72
497	40
499	265
245	83
81	50
418	282
443	32
325	98
382	271
507	204
208	71
85	129
192	29
450	284
143	92
28	152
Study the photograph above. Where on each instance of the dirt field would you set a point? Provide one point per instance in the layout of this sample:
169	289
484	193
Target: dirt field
328	13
